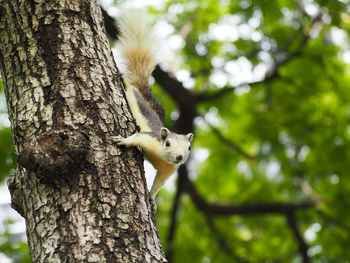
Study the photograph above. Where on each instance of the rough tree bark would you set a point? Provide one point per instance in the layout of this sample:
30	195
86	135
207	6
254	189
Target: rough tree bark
84	200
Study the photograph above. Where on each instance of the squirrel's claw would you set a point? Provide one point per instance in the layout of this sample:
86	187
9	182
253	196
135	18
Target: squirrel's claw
118	139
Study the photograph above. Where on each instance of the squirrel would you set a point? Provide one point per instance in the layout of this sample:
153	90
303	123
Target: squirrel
164	149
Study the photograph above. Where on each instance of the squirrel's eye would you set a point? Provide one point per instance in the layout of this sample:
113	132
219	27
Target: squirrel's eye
189	148
167	144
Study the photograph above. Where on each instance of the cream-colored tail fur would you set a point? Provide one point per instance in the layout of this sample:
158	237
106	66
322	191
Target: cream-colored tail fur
137	46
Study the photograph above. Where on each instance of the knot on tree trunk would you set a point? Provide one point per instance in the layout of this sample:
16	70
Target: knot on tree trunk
16	196
56	155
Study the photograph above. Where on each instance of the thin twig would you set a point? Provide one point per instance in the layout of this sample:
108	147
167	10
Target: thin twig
303	247
231	143
174	213
221	240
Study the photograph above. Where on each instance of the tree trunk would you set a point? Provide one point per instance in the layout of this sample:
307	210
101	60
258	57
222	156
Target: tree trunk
84	199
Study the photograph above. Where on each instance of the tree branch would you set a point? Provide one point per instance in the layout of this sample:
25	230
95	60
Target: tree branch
303	247
243	209
172	86
221	240
231	144
185	99
187	102
288	209
174	213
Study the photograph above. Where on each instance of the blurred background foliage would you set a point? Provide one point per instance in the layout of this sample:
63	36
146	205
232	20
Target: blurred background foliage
276	129
13	246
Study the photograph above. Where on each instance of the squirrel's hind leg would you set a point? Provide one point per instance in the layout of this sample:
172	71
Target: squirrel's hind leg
158	182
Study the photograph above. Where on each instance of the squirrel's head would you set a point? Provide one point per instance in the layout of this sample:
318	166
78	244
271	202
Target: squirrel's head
175	148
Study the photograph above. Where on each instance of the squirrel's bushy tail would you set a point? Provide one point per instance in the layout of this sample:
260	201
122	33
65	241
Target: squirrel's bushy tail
137	46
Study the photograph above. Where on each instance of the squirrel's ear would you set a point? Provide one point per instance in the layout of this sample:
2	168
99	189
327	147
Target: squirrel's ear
164	133
189	137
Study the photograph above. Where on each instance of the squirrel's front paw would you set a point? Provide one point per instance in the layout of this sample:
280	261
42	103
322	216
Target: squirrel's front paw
118	139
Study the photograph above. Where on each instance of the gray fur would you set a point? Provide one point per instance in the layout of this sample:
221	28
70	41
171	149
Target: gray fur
151	116
146	91
152	134
153	119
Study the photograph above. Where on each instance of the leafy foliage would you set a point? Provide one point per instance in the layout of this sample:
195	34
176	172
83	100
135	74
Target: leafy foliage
7	156
293	122
10	245
16	250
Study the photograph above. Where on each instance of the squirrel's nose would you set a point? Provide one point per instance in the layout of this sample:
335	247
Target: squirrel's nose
179	158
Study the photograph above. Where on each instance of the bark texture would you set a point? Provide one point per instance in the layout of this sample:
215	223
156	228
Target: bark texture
84	199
